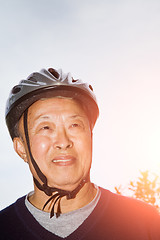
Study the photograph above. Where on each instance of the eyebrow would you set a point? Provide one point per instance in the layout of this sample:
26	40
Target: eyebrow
41	116
76	115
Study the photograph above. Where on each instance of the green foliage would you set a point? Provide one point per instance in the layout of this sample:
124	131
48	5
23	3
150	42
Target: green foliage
145	188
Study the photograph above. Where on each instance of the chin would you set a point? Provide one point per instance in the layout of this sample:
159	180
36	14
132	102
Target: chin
68	185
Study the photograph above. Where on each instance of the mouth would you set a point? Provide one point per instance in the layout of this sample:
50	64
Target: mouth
64	160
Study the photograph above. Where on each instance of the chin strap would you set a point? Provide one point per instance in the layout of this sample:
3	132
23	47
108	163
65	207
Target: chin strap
59	193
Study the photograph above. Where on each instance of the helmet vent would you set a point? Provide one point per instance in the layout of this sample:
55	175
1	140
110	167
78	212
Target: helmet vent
32	79
54	72
74	80
91	87
16	89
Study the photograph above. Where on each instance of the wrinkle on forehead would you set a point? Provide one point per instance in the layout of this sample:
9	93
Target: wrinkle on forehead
82	107
77	107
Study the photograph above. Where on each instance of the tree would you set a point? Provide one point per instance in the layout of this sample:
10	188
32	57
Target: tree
146	188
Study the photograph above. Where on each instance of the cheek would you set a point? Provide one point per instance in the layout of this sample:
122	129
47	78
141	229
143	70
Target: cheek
84	146
39	145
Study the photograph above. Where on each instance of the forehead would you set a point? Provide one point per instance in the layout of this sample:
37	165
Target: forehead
55	106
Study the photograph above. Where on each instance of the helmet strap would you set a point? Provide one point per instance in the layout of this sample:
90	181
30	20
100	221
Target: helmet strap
59	193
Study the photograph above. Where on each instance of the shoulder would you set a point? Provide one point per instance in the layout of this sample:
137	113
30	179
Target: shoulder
129	208
11	223
121	217
124	202
9	211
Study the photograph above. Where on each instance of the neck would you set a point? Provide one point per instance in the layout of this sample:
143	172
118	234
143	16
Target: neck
83	197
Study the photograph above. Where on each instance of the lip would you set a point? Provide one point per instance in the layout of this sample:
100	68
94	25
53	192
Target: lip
64	160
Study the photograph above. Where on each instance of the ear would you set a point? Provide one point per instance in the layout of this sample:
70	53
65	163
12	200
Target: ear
19	147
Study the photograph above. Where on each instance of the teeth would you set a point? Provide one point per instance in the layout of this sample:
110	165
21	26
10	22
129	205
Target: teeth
60	160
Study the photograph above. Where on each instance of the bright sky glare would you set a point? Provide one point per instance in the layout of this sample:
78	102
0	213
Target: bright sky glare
113	45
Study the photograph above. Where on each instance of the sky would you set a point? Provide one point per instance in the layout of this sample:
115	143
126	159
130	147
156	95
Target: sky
112	45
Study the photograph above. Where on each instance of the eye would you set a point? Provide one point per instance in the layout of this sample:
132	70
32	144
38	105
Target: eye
45	128
75	125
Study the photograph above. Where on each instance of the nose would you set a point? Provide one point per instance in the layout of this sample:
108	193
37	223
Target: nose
62	140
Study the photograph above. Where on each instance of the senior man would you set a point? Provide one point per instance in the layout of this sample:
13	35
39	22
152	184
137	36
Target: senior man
50	117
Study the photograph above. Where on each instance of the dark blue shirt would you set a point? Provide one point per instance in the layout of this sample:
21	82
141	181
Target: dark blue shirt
114	218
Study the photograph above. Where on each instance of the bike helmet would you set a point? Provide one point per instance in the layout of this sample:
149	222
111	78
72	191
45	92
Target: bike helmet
45	84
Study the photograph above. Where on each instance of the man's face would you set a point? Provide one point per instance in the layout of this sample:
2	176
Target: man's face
60	140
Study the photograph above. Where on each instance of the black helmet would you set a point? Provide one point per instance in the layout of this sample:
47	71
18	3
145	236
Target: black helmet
45	84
